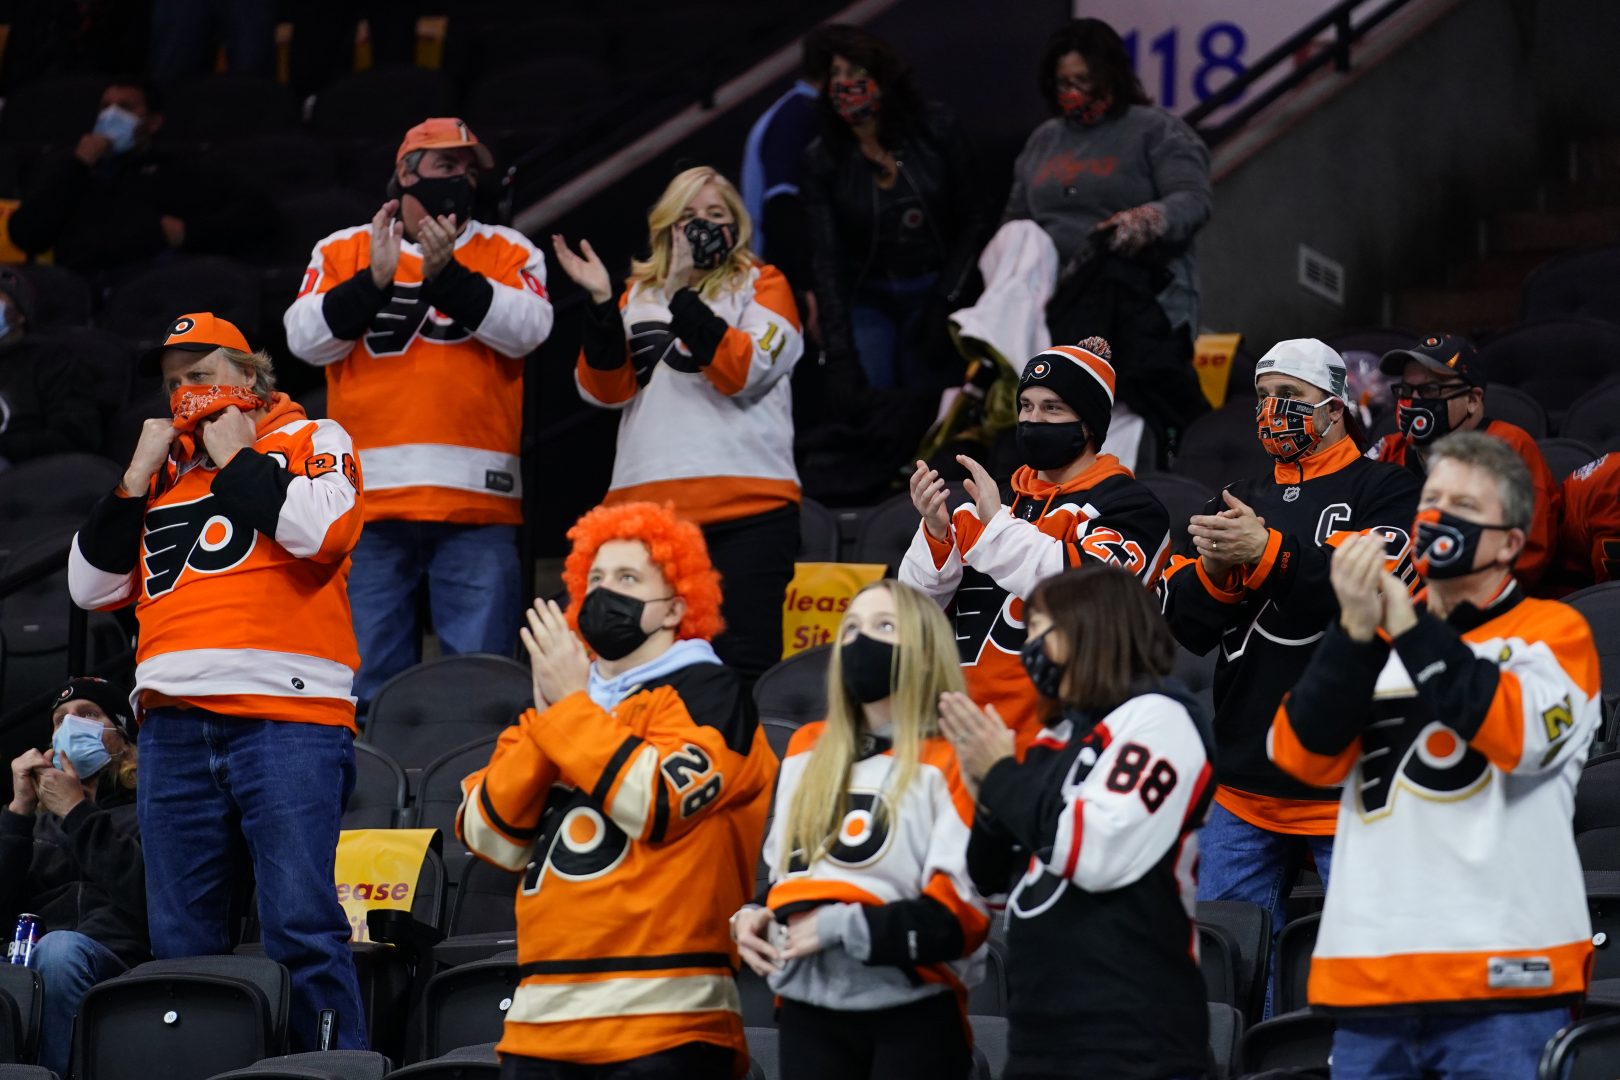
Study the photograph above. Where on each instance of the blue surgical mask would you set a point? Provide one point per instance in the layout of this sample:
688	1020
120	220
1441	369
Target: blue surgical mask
117	125
79	740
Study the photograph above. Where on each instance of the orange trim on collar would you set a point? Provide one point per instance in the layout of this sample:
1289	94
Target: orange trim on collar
1026	482
1321	463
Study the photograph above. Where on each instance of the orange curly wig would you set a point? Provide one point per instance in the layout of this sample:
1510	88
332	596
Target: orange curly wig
676	547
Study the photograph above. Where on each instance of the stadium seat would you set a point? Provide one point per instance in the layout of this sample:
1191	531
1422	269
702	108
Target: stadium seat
502	100
818	532
1564	456
108	359
1597	797
886	532
1294	949
467	1063
1225	1041
1220	447
1218	962
1182	497
1517	408
316	1065
212	109
1588	1049
57	485
758	1001
1249	926
1600	604
309	217
61	297
23	986
25	1072
795	689
444	704
198	1016
466	1005
383	102
763	1046
485	900
1595	418
11	1029
285	162
1556	361
53	111
1599	849
989	997
438	796
990	1038
1298	1040
141	309
778	733
1377	340
1585	284
1603	906
379	792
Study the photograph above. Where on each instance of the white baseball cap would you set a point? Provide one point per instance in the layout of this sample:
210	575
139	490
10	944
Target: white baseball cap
1307	360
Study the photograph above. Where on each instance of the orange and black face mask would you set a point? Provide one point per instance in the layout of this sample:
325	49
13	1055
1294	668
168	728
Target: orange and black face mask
1445	545
1287	427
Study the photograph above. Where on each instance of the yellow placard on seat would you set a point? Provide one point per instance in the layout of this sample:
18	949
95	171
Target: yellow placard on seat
378	868
1212	359
817	598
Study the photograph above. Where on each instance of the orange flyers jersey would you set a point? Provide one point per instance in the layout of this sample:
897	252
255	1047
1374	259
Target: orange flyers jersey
902	858
1541	543
1589	538
685	364
1455	874
428	377
637	829
239	575
984	571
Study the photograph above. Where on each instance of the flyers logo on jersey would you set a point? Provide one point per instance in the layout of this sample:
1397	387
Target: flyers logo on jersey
198	535
577	842
985	614
1403	753
863	837
406	317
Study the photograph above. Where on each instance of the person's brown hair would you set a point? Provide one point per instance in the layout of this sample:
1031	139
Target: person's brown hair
1115	633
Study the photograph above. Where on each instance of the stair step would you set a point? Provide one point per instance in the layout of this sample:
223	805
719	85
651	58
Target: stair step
1539	230
1498	271
1465	311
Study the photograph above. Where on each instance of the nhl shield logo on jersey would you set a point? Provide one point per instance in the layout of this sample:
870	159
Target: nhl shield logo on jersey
198	535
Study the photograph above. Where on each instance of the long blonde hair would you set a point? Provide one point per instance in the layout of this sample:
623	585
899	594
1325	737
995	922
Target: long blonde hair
667	211
926	665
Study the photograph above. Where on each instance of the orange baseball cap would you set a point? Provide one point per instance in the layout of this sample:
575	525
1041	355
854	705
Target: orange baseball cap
444	133
200	331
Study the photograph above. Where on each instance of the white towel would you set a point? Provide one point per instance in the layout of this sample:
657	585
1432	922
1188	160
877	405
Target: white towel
1020	266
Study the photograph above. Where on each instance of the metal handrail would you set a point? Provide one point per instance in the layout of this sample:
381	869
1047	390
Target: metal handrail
1345	34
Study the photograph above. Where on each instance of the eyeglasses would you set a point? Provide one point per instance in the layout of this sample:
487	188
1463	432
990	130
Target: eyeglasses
1443	391
1082	84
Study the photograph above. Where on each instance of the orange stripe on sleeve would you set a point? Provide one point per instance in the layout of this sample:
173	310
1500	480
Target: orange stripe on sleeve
609	387
975	923
1501	737
1255	578
1220	592
1291	756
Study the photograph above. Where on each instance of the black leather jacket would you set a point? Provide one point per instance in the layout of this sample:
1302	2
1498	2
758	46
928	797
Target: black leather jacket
841	204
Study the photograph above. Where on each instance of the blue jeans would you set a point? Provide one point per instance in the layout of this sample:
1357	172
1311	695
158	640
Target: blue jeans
217	789
1489	1046
1239	861
69	964
886	320
473	582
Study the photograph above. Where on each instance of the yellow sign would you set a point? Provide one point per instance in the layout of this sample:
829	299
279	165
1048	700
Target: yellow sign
376	869
1212	359
817	598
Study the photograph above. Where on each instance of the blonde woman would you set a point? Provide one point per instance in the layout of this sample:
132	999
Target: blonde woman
872	927
697	352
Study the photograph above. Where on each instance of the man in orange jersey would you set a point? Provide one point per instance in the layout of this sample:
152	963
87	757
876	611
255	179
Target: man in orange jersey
231	533
1589	531
422	320
1456	938
1440	388
633	797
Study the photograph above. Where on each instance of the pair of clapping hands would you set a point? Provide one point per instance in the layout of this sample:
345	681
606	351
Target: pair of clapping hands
558	661
980	739
1370	597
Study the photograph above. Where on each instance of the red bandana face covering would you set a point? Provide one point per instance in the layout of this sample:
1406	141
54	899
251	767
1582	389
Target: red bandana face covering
191	405
1082	107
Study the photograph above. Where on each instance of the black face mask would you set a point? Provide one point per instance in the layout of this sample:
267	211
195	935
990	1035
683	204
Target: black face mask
440	195
1047	676
1050	446
711	242
1423	419
610	623
1445	545
868	666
